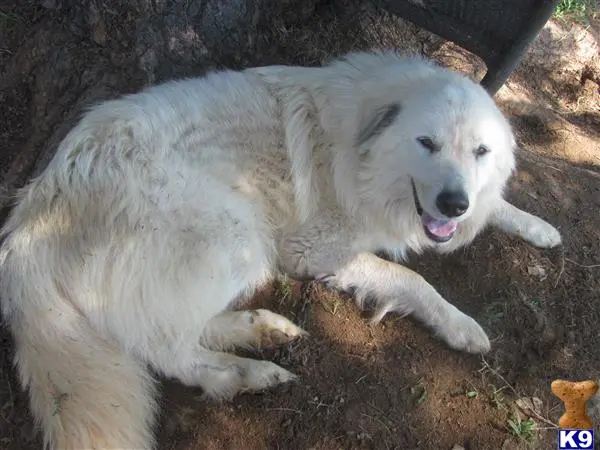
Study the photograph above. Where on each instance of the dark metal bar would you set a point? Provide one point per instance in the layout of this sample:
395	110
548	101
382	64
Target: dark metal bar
500	68
501	54
450	29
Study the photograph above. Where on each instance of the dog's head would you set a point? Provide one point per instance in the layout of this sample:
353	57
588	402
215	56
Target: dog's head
438	144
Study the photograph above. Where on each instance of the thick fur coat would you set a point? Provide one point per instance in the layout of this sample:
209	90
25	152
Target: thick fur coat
162	209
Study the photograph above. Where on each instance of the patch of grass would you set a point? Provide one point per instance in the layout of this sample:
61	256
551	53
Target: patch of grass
523	429
331	304
493	314
422	389
284	288
497	398
472	394
576	8
422	397
9	19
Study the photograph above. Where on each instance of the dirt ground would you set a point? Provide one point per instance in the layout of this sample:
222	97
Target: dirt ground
392	386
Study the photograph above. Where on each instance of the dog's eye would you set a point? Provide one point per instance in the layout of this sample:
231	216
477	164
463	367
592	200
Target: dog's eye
428	144
481	150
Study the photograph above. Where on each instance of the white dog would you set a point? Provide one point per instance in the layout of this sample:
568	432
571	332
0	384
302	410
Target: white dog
161	209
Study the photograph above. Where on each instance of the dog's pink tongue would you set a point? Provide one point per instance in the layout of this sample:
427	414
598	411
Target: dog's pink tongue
441	228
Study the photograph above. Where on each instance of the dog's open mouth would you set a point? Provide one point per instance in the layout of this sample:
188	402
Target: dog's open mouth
437	230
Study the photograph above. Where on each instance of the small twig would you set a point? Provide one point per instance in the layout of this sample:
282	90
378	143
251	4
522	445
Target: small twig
591	266
361	378
507	384
319	404
555	407
540	417
377	409
495	372
378	420
285	409
550	167
562	269
537	161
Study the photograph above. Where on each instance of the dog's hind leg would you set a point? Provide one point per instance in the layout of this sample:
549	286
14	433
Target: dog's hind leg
534	230
395	288
182	321
223	375
249	329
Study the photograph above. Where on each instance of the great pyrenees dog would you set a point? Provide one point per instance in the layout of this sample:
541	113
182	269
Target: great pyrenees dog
162	209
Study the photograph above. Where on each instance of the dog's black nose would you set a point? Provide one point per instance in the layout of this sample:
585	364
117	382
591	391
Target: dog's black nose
452	203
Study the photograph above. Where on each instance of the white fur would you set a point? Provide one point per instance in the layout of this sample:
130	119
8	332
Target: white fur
161	209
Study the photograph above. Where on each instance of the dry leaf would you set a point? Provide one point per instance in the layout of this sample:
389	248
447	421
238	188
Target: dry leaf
530	405
537	271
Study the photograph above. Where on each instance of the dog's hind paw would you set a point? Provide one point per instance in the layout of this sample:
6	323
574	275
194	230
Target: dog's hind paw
245	375
272	330
264	375
462	332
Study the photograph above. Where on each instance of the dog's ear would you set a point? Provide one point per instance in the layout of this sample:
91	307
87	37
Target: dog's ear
377	122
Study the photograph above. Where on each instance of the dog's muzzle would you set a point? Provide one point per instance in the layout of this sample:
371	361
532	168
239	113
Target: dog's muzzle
437	230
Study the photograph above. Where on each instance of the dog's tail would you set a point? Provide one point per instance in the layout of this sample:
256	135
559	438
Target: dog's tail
85	391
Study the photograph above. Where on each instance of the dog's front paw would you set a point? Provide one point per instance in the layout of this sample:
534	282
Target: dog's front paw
541	234
462	332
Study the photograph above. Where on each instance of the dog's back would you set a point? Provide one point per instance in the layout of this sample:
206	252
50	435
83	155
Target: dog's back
140	198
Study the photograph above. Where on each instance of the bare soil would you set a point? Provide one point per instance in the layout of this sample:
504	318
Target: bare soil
391	386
